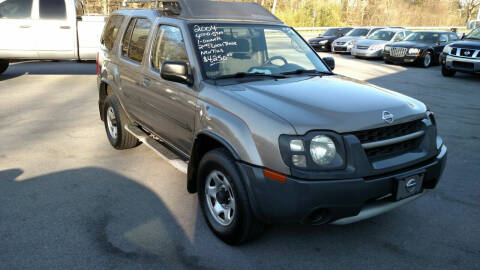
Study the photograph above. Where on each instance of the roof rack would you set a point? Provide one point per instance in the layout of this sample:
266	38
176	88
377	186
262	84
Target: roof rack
210	9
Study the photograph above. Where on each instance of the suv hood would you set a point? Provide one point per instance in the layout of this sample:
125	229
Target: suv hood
467	44
334	103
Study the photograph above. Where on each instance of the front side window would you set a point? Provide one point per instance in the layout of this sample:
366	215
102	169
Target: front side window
382	35
453	37
475	34
16	9
53	10
169	46
229	49
111	31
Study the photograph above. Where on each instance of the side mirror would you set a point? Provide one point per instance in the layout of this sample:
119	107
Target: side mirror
176	72
463	36
330	62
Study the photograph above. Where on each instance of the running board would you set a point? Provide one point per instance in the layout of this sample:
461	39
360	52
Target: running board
157	146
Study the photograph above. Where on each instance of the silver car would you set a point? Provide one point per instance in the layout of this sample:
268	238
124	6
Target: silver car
346	43
372	47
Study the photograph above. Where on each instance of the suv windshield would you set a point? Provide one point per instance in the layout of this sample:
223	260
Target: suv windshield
475	34
228	49
382	35
359	32
423	37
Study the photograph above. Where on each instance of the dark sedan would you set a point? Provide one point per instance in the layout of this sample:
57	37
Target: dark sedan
325	40
423	48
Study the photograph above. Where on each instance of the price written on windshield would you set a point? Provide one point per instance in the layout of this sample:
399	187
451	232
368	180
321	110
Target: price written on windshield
213	48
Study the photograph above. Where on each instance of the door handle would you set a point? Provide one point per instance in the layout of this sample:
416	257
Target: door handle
25	26
65	27
146	82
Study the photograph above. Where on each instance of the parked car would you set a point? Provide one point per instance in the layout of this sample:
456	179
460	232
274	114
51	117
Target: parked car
423	48
262	127
346	43
324	41
47	30
462	56
372	46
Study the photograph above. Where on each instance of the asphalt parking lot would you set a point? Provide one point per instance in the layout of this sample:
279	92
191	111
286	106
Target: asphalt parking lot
70	201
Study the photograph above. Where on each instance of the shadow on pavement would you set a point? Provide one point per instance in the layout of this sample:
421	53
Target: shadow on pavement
94	217
48	68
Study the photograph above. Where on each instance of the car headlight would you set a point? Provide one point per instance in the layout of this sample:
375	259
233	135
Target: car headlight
447	49
413	51
376	47
315	151
322	150
387	48
323	42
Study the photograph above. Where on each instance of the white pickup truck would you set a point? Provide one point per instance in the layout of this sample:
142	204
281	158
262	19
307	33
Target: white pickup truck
47	30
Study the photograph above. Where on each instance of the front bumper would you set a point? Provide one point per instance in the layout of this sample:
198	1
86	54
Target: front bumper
340	201
461	64
342	48
321	47
367	53
407	59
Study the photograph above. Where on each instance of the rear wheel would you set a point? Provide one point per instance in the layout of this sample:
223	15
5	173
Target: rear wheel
223	199
447	72
427	60
3	65
115	120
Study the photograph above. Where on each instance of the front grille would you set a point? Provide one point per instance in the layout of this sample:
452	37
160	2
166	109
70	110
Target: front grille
340	43
398	52
363	47
390	132
467	52
340	49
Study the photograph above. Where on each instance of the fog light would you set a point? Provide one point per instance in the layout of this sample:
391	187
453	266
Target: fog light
299	161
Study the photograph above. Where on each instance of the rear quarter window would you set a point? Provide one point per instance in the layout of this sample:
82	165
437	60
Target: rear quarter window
111	31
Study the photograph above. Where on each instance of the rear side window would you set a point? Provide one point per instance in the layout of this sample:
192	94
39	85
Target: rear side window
111	31
53	10
169	46
16	9
135	39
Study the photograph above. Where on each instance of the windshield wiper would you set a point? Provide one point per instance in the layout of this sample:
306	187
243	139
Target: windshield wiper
306	71
240	75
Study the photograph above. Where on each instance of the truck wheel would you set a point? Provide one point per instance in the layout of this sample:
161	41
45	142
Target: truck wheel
224	201
427	60
3	65
115	120
448	73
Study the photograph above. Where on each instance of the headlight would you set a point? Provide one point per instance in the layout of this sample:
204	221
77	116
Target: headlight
413	51
447	49
322	150
376	47
323	42
387	48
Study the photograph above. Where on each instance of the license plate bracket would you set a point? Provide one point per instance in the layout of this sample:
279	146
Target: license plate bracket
408	186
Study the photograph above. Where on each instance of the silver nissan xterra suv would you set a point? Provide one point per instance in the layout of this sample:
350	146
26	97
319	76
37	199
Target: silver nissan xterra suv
264	130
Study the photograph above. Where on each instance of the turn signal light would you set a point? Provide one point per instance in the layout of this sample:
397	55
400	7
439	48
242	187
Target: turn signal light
275	176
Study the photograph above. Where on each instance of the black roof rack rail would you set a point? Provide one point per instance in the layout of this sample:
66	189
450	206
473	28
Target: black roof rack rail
210	9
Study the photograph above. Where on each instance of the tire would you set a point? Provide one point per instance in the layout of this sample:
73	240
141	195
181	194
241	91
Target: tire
218	170
448	73
3	65
388	62
115	120
427	60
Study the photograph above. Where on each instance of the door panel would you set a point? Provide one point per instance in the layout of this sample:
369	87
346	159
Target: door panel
17	29
170	106
56	33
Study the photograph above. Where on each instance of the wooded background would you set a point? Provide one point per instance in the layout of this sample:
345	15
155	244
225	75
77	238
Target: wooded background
351	12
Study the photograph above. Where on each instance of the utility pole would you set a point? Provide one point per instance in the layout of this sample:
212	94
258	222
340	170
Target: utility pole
274	6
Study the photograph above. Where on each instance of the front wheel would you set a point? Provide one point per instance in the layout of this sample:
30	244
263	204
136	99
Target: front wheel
223	199
3	65
427	60
447	72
